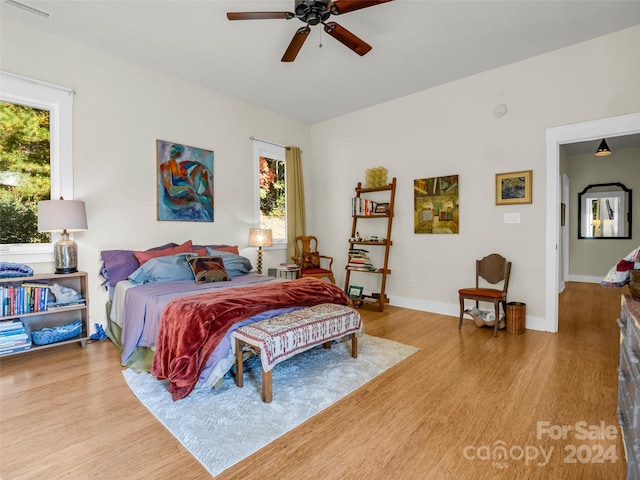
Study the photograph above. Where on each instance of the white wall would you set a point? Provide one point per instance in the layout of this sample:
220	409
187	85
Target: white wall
450	130
119	111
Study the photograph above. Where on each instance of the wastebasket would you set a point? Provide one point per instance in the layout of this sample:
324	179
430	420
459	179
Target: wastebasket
516	317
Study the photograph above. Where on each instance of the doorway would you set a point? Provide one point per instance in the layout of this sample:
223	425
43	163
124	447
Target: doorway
580	132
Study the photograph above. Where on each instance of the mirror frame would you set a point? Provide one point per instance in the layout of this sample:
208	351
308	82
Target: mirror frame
628	210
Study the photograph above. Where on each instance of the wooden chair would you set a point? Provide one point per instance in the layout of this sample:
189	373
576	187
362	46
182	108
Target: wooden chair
309	259
493	269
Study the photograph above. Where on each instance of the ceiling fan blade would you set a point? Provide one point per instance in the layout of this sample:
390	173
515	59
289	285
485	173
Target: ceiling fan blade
296	44
347	38
258	15
340	7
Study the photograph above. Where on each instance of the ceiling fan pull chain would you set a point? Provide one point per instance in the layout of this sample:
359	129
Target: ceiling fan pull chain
320	45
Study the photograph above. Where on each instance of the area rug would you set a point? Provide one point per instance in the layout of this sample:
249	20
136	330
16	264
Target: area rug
220	427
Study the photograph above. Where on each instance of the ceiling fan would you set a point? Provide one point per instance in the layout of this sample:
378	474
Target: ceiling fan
312	12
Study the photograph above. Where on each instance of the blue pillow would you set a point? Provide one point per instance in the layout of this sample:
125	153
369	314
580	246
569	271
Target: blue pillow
235	265
163	269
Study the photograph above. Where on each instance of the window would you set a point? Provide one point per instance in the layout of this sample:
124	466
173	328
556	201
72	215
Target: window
271	204
48	104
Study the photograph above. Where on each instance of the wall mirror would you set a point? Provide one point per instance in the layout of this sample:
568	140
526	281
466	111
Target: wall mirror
604	211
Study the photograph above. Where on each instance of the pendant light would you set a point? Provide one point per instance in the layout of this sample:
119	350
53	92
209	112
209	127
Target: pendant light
603	149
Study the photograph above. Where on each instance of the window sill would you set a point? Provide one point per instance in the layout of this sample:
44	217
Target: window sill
27	253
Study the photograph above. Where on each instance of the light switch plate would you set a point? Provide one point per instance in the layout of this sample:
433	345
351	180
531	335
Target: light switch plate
511	218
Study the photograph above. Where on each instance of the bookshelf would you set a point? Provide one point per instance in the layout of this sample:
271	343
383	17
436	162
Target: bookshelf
36	315
365	209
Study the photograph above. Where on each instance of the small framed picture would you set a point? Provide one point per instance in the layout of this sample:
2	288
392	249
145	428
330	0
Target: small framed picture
382	208
513	188
354	291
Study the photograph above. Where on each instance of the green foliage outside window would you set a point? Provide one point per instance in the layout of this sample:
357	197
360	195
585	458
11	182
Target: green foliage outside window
272	196
24	172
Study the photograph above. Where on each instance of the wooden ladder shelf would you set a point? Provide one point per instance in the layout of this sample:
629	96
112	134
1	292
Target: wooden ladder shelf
362	212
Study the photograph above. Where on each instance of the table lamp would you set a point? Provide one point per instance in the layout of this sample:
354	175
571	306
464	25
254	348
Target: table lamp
63	216
260	237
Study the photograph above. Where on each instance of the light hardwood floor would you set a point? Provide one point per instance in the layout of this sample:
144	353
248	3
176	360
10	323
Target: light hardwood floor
67	412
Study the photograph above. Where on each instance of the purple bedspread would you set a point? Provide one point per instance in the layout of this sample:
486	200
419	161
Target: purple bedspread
144	305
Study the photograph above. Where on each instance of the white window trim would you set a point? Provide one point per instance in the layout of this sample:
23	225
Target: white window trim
59	102
263	148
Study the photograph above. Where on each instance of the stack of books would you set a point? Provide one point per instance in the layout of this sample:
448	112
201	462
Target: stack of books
52	305
359	260
363	206
288	266
13	337
26	298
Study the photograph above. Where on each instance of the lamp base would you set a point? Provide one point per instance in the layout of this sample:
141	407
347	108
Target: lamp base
62	271
259	261
65	254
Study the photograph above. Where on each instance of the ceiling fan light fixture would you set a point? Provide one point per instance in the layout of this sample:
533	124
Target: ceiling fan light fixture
603	150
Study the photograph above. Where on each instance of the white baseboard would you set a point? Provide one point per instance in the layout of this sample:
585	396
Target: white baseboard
531	322
584	279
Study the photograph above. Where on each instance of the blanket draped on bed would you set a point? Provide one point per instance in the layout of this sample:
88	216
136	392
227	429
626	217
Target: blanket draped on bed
192	327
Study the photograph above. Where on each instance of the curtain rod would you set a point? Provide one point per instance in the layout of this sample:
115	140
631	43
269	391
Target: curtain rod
270	143
70	91
267	141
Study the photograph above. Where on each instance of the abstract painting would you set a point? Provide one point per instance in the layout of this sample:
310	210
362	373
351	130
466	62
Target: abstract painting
436	208
185	182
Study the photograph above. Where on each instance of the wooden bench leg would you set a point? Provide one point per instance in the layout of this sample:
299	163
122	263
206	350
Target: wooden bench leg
267	384
327	345
239	373
354	345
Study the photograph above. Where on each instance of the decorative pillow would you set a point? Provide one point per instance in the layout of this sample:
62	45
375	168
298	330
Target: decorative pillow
208	269
235	265
310	260
618	276
163	269
119	264
145	256
220	248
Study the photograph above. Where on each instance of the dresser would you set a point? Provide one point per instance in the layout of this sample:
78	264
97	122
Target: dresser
629	383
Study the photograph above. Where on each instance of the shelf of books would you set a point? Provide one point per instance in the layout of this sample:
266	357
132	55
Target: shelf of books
43	311
359	260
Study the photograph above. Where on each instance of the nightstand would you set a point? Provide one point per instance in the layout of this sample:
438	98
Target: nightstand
290	273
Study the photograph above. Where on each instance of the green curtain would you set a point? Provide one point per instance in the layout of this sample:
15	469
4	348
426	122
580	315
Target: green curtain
296	216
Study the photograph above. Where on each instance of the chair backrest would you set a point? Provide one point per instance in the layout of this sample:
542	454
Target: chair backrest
305	244
493	268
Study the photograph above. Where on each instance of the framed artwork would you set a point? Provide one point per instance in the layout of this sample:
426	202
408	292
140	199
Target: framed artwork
513	188
355	292
382	208
185	182
436	206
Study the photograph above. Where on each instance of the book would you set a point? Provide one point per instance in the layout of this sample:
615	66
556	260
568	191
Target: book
289	266
15	349
65	304
11	324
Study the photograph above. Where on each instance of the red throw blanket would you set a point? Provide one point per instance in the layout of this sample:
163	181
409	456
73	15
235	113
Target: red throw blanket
192	327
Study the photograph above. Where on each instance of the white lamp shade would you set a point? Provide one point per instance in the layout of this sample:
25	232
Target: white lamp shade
260	237
59	215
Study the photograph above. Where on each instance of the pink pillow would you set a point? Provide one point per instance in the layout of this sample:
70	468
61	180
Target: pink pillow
144	257
220	248
228	248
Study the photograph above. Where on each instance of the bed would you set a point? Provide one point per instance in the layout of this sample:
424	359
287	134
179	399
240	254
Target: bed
165	322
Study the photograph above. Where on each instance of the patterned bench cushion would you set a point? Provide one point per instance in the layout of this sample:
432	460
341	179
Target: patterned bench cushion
284	336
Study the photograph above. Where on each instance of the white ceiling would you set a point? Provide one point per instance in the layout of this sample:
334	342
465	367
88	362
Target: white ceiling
417	44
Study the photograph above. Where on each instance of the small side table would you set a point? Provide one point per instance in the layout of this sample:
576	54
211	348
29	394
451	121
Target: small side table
290	273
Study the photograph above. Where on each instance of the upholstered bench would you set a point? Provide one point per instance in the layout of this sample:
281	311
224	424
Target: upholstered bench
284	336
